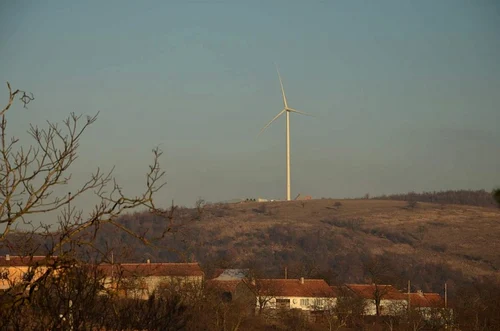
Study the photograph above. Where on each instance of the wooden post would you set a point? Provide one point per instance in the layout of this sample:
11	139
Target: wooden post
409	291
445	295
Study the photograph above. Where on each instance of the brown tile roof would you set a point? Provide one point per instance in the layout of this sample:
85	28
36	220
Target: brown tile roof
426	300
152	269
311	288
19	261
367	291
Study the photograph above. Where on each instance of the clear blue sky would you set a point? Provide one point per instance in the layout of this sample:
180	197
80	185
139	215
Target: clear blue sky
406	93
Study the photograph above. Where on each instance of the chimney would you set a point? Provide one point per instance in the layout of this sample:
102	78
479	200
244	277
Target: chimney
7	257
148	261
302	280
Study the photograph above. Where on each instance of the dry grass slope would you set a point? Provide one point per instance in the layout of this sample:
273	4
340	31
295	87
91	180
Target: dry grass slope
464	238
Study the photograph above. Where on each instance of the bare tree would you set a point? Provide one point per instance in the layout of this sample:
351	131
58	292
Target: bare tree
378	272
31	175
347	311
264	290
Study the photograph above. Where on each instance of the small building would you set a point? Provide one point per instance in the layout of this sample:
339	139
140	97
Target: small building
303	294
141	280
430	306
301	197
379	299
229	284
15	270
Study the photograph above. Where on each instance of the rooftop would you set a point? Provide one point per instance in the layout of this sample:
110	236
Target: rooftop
21	261
368	291
308	288
152	269
421	299
230	274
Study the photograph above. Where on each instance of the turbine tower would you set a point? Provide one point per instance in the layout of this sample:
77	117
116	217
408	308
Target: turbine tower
286	110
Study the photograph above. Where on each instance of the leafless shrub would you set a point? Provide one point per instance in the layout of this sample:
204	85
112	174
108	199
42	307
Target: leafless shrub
440	248
411	204
352	224
200	208
437	223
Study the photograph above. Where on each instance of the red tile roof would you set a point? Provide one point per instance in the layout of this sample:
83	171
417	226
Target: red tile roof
368	291
152	269
19	261
426	300
311	288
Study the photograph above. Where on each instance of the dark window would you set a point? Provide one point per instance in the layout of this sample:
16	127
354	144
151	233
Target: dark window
227	296
4	274
283	303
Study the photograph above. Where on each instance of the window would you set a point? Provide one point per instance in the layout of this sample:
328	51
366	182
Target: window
283	303
4	274
319	302
304	302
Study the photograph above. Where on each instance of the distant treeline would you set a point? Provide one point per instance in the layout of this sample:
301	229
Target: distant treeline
480	198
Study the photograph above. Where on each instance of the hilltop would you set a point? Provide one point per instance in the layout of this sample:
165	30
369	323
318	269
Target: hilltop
340	240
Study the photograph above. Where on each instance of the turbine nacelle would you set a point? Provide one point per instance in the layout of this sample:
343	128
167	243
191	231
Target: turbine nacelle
285	104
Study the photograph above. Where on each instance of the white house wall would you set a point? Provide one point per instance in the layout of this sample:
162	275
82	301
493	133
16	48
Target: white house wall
303	303
387	307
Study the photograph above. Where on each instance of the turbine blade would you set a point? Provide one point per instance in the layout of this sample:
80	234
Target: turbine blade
299	112
282	89
275	117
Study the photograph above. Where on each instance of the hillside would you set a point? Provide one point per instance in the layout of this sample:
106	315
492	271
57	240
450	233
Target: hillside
427	243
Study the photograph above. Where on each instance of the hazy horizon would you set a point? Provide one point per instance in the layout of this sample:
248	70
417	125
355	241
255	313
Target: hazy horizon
405	94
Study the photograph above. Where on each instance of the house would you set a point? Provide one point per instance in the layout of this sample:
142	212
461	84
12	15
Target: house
229	284
379	299
304	294
425	300
301	197
20	269
431	306
141	280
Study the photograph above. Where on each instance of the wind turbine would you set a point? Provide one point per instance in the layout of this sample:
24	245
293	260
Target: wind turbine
286	110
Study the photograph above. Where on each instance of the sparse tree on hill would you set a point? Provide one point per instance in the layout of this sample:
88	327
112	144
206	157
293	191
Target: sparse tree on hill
200	208
496	196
